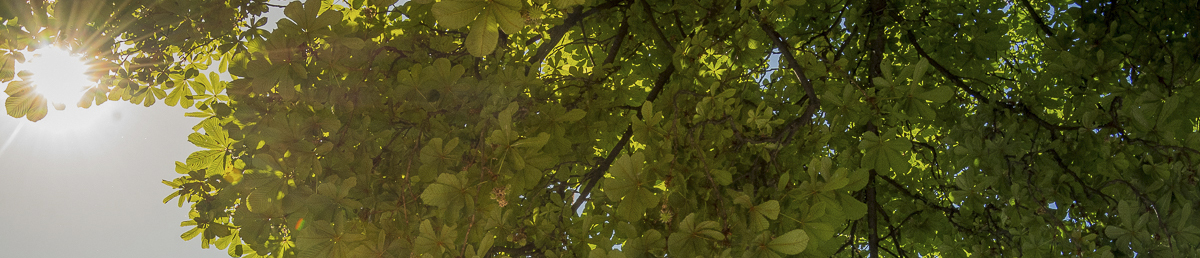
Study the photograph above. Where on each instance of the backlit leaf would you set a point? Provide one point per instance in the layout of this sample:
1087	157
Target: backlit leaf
793	242
454	14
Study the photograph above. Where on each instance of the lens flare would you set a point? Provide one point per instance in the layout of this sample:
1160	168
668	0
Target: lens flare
58	75
300	224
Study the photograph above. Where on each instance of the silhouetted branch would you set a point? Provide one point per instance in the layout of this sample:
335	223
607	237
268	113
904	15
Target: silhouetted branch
1037	18
560	30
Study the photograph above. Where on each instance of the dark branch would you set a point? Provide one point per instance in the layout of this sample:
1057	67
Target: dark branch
793	65
619	39
875	46
526	250
1058	159
592	177
559	31
657	29
912	39
958	81
598	172
872	218
905	191
1037	18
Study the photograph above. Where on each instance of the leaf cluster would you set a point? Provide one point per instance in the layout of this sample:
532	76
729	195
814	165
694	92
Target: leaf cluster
718	128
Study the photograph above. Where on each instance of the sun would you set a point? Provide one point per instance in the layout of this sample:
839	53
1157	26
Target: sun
60	76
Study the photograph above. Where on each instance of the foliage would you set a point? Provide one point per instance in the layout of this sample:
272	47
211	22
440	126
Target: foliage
635	128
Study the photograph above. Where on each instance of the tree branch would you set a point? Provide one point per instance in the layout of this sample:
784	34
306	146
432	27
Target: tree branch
619	39
654	23
872	224
875	46
918	197
592	177
526	250
1037	18
560	30
912	39
793	65
958	81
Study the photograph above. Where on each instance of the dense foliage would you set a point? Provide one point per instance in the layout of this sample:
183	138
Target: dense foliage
637	128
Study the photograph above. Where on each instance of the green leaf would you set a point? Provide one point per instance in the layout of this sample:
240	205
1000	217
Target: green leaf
759	215
327	18
382	3
204	141
572	116
191	233
819	231
296	11
483	37
19	88
919	71
722	177
427	238
1115	231
486	244
884	153
853	208
628	185
791	243
564	4
178	96
509	19
454	14
31	106
7	68
770	209
445	192
881	82
937	95
534	143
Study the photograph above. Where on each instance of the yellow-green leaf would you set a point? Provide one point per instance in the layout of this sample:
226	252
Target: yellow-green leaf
770	209
31	106
191	233
446	191
454	14
484	34
937	95
7	68
572	116
510	19
791	243
884	153
919	70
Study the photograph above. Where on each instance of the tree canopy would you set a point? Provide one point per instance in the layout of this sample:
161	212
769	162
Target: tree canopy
638	128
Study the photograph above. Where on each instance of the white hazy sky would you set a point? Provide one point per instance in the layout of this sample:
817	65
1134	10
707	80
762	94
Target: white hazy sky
86	183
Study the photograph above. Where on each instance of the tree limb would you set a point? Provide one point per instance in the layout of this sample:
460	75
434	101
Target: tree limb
793	65
912	39
958	81
872	218
526	250
592	177
875	45
1037	18
918	197
557	33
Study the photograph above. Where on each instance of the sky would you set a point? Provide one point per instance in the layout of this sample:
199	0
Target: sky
88	182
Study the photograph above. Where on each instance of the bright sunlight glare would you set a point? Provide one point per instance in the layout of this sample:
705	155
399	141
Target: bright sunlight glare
58	75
